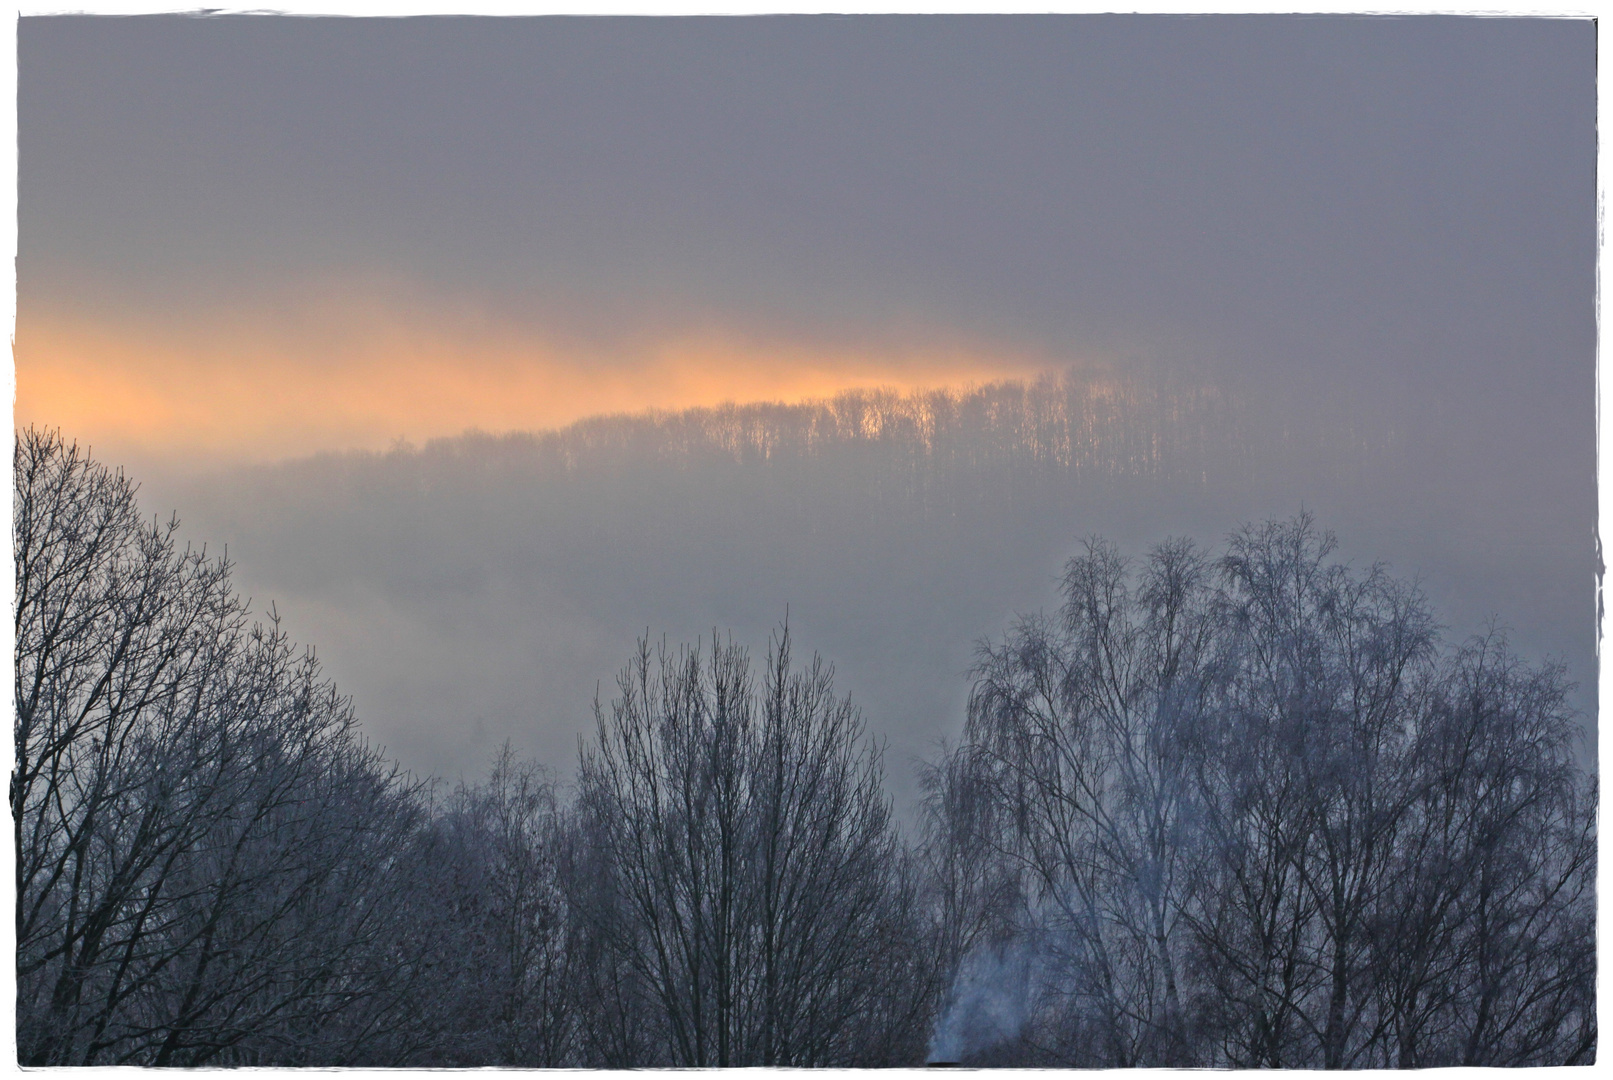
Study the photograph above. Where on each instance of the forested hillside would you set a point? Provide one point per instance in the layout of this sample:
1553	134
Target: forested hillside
1233	807
477	589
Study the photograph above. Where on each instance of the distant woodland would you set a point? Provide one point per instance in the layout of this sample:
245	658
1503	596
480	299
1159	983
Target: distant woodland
913	448
478	588
1234	806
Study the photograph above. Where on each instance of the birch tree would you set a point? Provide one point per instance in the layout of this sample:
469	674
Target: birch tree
1080	723
1259	816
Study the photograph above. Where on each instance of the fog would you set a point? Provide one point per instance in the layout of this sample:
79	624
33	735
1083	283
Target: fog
485	588
1370	215
1345	265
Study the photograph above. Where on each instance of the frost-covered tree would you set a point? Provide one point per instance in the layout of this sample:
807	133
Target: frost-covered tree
1078	728
1257	815
204	847
1306	785
491	914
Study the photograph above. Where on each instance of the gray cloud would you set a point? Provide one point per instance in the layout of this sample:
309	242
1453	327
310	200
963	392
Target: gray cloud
1349	224
1279	192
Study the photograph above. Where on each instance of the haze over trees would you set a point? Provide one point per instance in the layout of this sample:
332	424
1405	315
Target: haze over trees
497	578
1253	813
1235	808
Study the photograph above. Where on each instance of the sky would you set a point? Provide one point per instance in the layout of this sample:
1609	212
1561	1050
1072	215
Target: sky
546	218
246	240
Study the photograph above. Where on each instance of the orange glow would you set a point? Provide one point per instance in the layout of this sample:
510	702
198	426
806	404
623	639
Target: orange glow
264	385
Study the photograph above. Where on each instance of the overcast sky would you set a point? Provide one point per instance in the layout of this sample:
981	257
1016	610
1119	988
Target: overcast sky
246	239
1391	206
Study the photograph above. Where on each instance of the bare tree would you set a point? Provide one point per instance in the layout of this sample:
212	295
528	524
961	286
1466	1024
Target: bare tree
203	843
1244	811
1483	942
1308	785
1078	725
493	902
758	892
1261	819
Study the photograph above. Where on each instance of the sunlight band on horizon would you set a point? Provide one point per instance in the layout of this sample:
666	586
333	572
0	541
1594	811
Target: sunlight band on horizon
242	389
